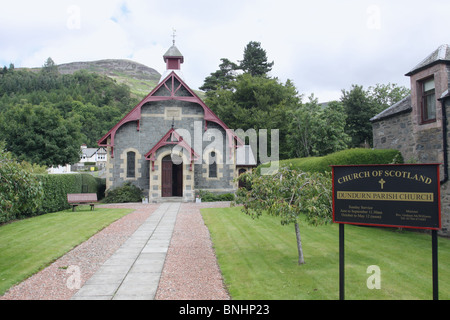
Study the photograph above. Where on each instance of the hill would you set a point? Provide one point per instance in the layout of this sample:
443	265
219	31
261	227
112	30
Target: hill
140	78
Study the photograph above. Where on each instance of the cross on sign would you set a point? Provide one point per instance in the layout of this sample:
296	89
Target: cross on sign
382	182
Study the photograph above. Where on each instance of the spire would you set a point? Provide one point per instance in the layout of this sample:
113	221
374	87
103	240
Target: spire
173	57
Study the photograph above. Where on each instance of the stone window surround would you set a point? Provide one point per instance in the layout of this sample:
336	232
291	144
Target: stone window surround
124	165
422	95
219	162
440	79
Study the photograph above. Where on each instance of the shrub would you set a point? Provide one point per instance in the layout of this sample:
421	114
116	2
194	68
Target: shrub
207	196
126	193
20	192
345	157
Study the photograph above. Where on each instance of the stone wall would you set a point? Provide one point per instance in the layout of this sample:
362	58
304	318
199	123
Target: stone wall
417	145
157	119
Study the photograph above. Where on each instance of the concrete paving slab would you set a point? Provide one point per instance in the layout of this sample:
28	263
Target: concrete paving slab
134	270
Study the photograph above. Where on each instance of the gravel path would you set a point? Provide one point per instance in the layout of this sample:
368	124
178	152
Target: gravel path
190	271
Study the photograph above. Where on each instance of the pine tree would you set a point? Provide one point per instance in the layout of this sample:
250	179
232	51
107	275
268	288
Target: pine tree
255	60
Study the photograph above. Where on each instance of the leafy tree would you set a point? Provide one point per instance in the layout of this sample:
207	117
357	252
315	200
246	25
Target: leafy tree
359	109
106	100
222	78
39	134
256	103
317	130
50	67
386	95
96	120
255	60
331	129
361	105
288	194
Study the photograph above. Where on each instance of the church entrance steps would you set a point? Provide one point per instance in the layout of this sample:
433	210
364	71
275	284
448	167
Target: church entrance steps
170	199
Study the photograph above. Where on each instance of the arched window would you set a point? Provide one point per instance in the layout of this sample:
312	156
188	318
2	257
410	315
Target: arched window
212	165
131	164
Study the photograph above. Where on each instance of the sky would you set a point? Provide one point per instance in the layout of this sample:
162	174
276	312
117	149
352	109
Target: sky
323	46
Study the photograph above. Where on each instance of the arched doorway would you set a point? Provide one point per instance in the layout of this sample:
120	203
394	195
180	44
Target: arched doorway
172	178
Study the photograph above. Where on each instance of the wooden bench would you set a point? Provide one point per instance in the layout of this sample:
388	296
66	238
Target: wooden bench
76	199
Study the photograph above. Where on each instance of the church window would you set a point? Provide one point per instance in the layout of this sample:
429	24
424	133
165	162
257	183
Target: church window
131	164
212	165
428	100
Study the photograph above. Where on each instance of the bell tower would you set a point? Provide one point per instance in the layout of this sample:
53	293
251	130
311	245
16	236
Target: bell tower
173	57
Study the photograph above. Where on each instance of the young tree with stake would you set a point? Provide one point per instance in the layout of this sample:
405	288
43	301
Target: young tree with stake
287	194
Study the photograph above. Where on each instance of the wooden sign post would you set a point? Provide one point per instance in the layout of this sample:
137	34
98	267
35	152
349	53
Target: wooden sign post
404	196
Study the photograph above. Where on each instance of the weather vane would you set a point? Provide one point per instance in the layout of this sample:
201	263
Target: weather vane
173	35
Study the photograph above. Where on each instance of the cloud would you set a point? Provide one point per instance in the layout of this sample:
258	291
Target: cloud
322	46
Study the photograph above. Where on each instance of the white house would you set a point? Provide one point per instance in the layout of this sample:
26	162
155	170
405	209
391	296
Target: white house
97	155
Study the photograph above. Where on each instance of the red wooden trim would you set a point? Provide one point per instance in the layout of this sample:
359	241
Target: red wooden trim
151	155
135	113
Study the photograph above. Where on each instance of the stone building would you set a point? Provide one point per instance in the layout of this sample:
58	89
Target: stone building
171	144
417	126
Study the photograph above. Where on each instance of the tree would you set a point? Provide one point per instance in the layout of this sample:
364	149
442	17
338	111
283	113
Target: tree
255	60
222	78
359	109
288	194
39	134
256	103
317	130
386	95
361	105
50	66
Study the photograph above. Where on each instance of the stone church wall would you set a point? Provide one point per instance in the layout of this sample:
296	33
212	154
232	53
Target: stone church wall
157	119
416	146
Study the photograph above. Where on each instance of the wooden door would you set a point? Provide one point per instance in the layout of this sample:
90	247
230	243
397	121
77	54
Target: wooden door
178	180
166	177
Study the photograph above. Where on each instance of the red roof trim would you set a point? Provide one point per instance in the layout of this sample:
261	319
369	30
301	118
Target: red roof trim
151	155
135	113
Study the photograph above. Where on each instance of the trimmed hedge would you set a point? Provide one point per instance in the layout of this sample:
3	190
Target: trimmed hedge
345	157
25	194
57	186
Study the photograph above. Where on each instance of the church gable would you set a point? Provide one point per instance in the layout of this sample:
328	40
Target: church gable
171	88
172	138
171	144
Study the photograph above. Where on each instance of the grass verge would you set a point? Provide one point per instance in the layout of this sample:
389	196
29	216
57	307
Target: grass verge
29	245
258	259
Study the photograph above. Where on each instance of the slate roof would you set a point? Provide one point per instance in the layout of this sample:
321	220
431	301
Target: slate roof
402	106
173	52
89	152
441	54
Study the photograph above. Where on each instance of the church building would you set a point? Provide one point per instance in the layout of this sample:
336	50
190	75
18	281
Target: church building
172	145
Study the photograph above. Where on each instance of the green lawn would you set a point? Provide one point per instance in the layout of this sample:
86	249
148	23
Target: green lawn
258	259
27	246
